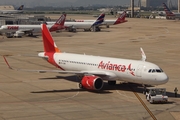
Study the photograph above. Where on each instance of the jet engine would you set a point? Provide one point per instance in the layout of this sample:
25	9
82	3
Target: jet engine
92	82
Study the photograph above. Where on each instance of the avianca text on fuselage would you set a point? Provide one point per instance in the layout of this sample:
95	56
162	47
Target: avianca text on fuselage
115	67
111	66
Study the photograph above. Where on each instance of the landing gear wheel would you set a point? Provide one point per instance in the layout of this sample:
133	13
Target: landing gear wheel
80	85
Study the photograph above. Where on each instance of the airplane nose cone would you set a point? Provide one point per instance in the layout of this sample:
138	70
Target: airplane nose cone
163	78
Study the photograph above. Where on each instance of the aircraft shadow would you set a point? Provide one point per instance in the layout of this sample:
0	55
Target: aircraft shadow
105	90
33	36
131	87
73	90
72	78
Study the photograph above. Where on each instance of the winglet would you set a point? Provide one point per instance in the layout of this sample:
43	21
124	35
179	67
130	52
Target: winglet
99	20
7	62
121	18
143	55
49	44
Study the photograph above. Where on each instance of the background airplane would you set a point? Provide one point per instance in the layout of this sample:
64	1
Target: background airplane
20	30
93	70
120	19
19	10
87	26
169	13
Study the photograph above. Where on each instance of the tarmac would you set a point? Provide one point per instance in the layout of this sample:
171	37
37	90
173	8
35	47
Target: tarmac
53	96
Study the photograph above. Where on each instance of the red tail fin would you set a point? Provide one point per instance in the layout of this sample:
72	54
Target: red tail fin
49	44
59	25
61	20
121	18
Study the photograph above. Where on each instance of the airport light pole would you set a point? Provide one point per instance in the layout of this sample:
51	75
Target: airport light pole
178	6
132	8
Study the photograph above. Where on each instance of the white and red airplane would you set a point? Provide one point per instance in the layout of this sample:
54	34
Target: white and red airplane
119	20
20	30
93	70
72	26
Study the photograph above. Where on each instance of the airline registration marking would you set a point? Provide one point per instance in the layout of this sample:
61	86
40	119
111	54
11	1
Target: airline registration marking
13	27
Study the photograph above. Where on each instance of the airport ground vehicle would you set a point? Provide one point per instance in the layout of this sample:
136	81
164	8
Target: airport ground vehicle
156	95
17	34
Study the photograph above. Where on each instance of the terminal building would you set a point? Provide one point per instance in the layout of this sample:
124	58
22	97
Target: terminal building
22	19
7	19
152	3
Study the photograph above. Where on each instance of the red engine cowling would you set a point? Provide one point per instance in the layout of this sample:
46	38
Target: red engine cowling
92	82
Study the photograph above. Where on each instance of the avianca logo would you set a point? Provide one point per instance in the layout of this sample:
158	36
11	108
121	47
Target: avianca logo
115	67
13	27
110	66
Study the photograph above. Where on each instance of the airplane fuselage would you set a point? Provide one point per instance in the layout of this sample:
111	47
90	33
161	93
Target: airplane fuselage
11	11
77	25
106	22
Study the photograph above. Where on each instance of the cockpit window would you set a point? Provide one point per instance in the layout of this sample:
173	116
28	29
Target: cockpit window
155	70
158	70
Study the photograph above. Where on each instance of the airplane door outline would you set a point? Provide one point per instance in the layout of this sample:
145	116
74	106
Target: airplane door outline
139	70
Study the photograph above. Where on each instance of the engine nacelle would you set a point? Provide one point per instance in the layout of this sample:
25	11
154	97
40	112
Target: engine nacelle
92	82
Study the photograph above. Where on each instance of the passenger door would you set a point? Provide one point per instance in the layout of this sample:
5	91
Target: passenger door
139	70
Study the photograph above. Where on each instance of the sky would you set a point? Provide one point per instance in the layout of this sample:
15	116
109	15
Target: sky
65	3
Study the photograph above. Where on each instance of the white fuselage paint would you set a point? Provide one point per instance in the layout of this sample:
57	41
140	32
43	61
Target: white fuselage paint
135	71
11	11
77	25
106	22
84	24
22	28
